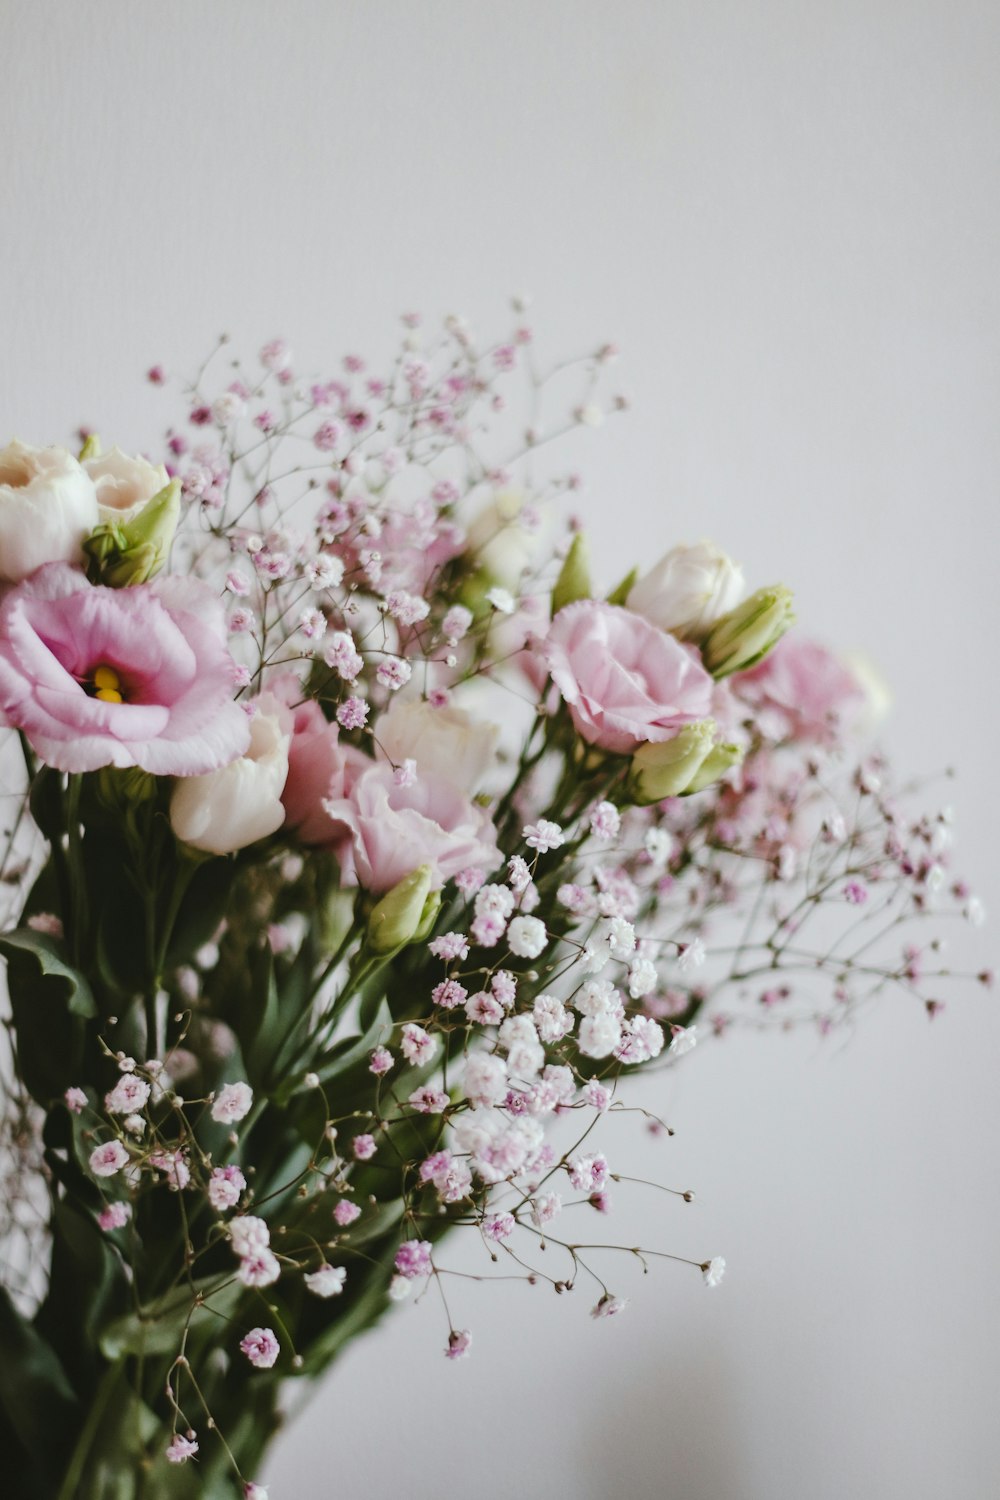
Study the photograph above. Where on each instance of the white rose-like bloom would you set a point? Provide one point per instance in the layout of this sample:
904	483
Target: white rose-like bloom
48	506
445	740
503	543
124	484
688	590
240	803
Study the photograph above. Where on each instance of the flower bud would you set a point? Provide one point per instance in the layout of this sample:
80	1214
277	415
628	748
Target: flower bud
402	914
123	554
667	769
120	788
744	637
688	590
574	577
720	759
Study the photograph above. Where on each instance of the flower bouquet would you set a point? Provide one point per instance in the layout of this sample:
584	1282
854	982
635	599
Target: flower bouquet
360	845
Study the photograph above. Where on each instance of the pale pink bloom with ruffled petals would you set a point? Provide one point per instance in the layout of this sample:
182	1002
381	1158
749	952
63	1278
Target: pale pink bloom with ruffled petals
395	829
166	643
625	682
809	690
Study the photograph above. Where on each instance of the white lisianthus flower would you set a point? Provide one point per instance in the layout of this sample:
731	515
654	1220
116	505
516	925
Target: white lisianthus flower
241	803
48	506
124	484
510	534
444	740
688	590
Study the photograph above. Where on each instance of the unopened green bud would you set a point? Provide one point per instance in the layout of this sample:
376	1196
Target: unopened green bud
668	769
91	447
119	788
102	546
747	633
402	913
428	917
720	759
123	555
135	565
574	577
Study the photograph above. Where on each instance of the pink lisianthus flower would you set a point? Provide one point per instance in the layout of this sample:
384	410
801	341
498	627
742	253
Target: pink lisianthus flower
394	829
163	644
319	767
625	682
811	695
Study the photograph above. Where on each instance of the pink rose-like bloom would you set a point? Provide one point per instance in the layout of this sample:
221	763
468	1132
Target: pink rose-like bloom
625	682
165	643
395	829
261	1347
319	767
810	692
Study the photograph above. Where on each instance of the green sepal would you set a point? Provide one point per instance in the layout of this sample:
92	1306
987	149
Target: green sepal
573	582
619	595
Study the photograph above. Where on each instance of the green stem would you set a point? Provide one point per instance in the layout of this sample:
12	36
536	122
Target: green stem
71	1488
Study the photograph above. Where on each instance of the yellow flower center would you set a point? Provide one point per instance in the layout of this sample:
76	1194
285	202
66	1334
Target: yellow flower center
107	685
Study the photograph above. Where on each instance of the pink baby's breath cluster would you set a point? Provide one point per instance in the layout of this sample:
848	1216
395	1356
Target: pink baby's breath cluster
379	843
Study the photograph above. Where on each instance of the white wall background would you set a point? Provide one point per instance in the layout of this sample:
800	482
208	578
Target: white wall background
787	215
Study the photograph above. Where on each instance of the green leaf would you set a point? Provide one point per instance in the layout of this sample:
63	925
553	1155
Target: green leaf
35	1394
259	1026
345	1054
44	950
159	1329
87	1287
46	802
49	1004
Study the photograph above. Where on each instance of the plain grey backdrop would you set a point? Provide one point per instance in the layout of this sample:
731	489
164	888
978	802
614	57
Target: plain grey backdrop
787	216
